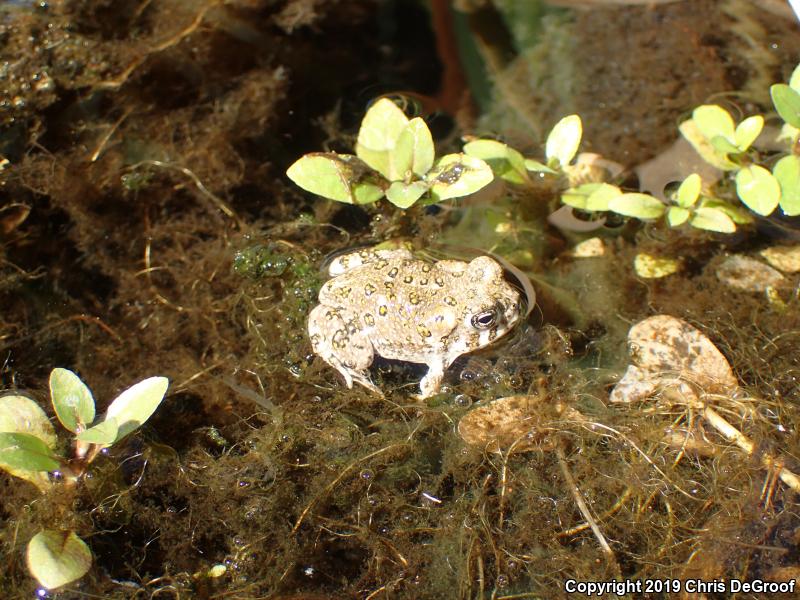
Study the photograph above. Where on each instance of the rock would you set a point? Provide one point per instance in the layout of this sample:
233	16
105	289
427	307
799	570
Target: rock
783	258
591	248
747	274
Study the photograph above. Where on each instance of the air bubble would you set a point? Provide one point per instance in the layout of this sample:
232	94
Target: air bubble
462	401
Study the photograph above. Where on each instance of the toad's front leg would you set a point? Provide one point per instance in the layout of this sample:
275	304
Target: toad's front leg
432	381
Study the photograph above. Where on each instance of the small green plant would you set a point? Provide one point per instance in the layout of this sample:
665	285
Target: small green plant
727	146
704	205
712	132
395	158
561	148
28	451
786	99
509	164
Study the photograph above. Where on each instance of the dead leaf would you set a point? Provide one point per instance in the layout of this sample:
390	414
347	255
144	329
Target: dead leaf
668	352
502	424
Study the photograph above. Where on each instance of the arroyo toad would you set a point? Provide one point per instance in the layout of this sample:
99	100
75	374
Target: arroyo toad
390	304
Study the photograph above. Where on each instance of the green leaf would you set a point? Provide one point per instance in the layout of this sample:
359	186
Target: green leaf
677	215
689	191
789	135
787	103
104	433
505	162
641	206
19	414
366	192
713	120
56	558
758	189
794	80
71	399
590	196
703	147
136	404
599	199
712	219
413	152
575	198
377	137
535	165
738	213
517	163
404	195
747	131
787	172
26	452
457	175
564	140
723	146
339	177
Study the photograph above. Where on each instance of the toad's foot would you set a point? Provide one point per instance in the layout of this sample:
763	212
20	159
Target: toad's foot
430	384
352	375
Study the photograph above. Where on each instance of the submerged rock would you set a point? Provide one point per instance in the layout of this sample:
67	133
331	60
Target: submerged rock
748	274
591	248
783	258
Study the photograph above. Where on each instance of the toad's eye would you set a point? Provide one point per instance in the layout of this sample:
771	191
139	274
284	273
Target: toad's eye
485	319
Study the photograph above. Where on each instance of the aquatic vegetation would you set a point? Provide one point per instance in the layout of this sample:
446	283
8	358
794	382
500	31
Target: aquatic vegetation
561	147
291	275
28	451
708	205
395	158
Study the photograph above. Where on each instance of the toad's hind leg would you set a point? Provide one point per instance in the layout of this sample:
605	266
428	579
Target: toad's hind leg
337	338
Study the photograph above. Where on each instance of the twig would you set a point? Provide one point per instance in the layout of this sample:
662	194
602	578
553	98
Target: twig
584	509
216	200
104	140
737	437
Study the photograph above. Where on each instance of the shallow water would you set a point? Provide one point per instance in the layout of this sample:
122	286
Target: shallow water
149	229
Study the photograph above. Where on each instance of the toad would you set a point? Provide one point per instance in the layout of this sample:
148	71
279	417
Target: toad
391	304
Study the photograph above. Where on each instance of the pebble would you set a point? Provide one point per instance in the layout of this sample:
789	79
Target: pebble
748	274
783	258
502	424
